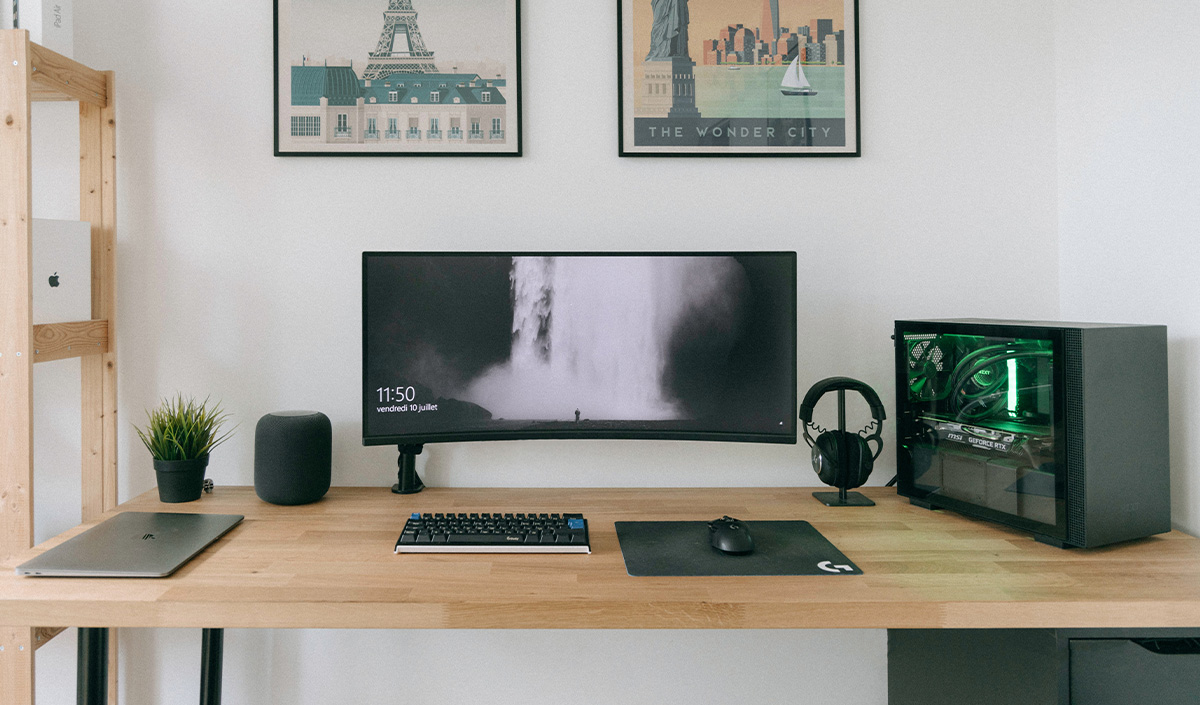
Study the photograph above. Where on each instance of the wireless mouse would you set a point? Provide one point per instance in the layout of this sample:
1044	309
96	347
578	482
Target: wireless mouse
731	536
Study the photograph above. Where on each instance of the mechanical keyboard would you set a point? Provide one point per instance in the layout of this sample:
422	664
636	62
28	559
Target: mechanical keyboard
494	532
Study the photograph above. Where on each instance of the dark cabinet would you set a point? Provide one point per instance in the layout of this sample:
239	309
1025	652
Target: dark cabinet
1043	666
1142	671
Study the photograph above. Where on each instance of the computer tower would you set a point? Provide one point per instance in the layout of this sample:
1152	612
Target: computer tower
1060	429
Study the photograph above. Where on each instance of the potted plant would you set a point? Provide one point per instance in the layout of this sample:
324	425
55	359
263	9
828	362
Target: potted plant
180	434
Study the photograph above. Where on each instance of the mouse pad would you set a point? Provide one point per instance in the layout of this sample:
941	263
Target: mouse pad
681	548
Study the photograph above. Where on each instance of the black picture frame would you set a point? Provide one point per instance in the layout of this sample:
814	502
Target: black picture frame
688	106
356	105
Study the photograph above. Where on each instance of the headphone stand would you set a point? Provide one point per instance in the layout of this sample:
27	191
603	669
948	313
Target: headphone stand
842	498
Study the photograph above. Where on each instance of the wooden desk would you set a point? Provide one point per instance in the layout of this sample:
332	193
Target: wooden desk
330	565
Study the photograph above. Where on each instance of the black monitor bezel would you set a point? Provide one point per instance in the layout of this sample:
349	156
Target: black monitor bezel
595	434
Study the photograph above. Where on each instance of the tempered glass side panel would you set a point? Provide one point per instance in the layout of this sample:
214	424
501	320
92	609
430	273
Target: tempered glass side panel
978	426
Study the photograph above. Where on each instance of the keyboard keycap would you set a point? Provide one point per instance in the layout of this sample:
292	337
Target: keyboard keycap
484	538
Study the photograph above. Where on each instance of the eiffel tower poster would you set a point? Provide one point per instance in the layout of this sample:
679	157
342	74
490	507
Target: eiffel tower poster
397	77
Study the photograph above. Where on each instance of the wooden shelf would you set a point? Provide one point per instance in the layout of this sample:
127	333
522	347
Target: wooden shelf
58	341
29	73
55	77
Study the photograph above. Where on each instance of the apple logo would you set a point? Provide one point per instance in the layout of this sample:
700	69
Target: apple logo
54	280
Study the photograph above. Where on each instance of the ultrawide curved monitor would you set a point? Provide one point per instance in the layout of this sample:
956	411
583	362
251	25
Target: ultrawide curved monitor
505	346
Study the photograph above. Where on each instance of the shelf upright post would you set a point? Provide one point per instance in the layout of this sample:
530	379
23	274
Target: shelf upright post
16	346
98	206
98	374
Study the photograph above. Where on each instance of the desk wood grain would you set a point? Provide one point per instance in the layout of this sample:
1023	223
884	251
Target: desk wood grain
330	565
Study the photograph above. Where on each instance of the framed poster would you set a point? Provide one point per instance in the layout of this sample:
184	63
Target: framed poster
738	77
397	78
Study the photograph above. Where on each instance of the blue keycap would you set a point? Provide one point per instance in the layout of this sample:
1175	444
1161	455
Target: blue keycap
574	523
415	515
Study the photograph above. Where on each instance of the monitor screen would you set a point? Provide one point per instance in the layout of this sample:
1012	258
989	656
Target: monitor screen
491	346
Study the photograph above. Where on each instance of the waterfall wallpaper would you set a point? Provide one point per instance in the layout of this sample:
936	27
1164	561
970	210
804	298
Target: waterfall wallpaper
534	346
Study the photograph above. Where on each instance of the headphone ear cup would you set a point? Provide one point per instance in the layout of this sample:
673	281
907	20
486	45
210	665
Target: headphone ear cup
842	459
828	457
859	462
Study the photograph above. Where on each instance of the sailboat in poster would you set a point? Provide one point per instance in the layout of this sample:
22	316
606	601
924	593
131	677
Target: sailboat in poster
794	83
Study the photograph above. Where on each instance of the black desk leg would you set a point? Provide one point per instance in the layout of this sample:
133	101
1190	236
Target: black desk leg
211	645
91	682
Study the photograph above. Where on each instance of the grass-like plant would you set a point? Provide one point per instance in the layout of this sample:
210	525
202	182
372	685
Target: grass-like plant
182	429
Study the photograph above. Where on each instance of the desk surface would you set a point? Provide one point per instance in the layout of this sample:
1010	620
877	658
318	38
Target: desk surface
330	565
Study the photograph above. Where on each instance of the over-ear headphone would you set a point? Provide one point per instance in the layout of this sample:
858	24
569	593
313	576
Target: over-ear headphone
843	459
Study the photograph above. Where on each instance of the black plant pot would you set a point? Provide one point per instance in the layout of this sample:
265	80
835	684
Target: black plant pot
180	480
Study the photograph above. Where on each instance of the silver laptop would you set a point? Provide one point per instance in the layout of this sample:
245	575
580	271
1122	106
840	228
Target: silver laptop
132	545
62	270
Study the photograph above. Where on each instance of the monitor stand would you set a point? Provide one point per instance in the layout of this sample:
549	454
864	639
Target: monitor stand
408	481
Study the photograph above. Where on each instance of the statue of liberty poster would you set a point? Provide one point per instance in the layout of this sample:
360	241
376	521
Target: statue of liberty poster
739	77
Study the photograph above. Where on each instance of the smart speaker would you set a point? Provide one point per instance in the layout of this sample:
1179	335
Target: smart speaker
292	457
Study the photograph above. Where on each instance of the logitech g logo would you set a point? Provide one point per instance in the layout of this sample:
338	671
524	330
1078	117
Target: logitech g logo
828	567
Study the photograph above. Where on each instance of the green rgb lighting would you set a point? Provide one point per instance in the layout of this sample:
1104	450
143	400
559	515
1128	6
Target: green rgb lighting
1012	386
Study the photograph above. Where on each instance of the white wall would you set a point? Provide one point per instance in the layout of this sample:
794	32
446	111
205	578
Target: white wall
239	277
1129	179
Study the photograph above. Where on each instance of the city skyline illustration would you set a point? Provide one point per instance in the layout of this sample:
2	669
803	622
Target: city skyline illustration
707	18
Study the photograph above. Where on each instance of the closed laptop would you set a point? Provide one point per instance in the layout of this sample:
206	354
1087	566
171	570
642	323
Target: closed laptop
132	545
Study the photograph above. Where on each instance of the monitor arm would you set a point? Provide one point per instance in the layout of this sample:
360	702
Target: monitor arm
408	481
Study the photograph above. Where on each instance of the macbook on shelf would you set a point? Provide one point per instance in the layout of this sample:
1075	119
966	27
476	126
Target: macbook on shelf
62	271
